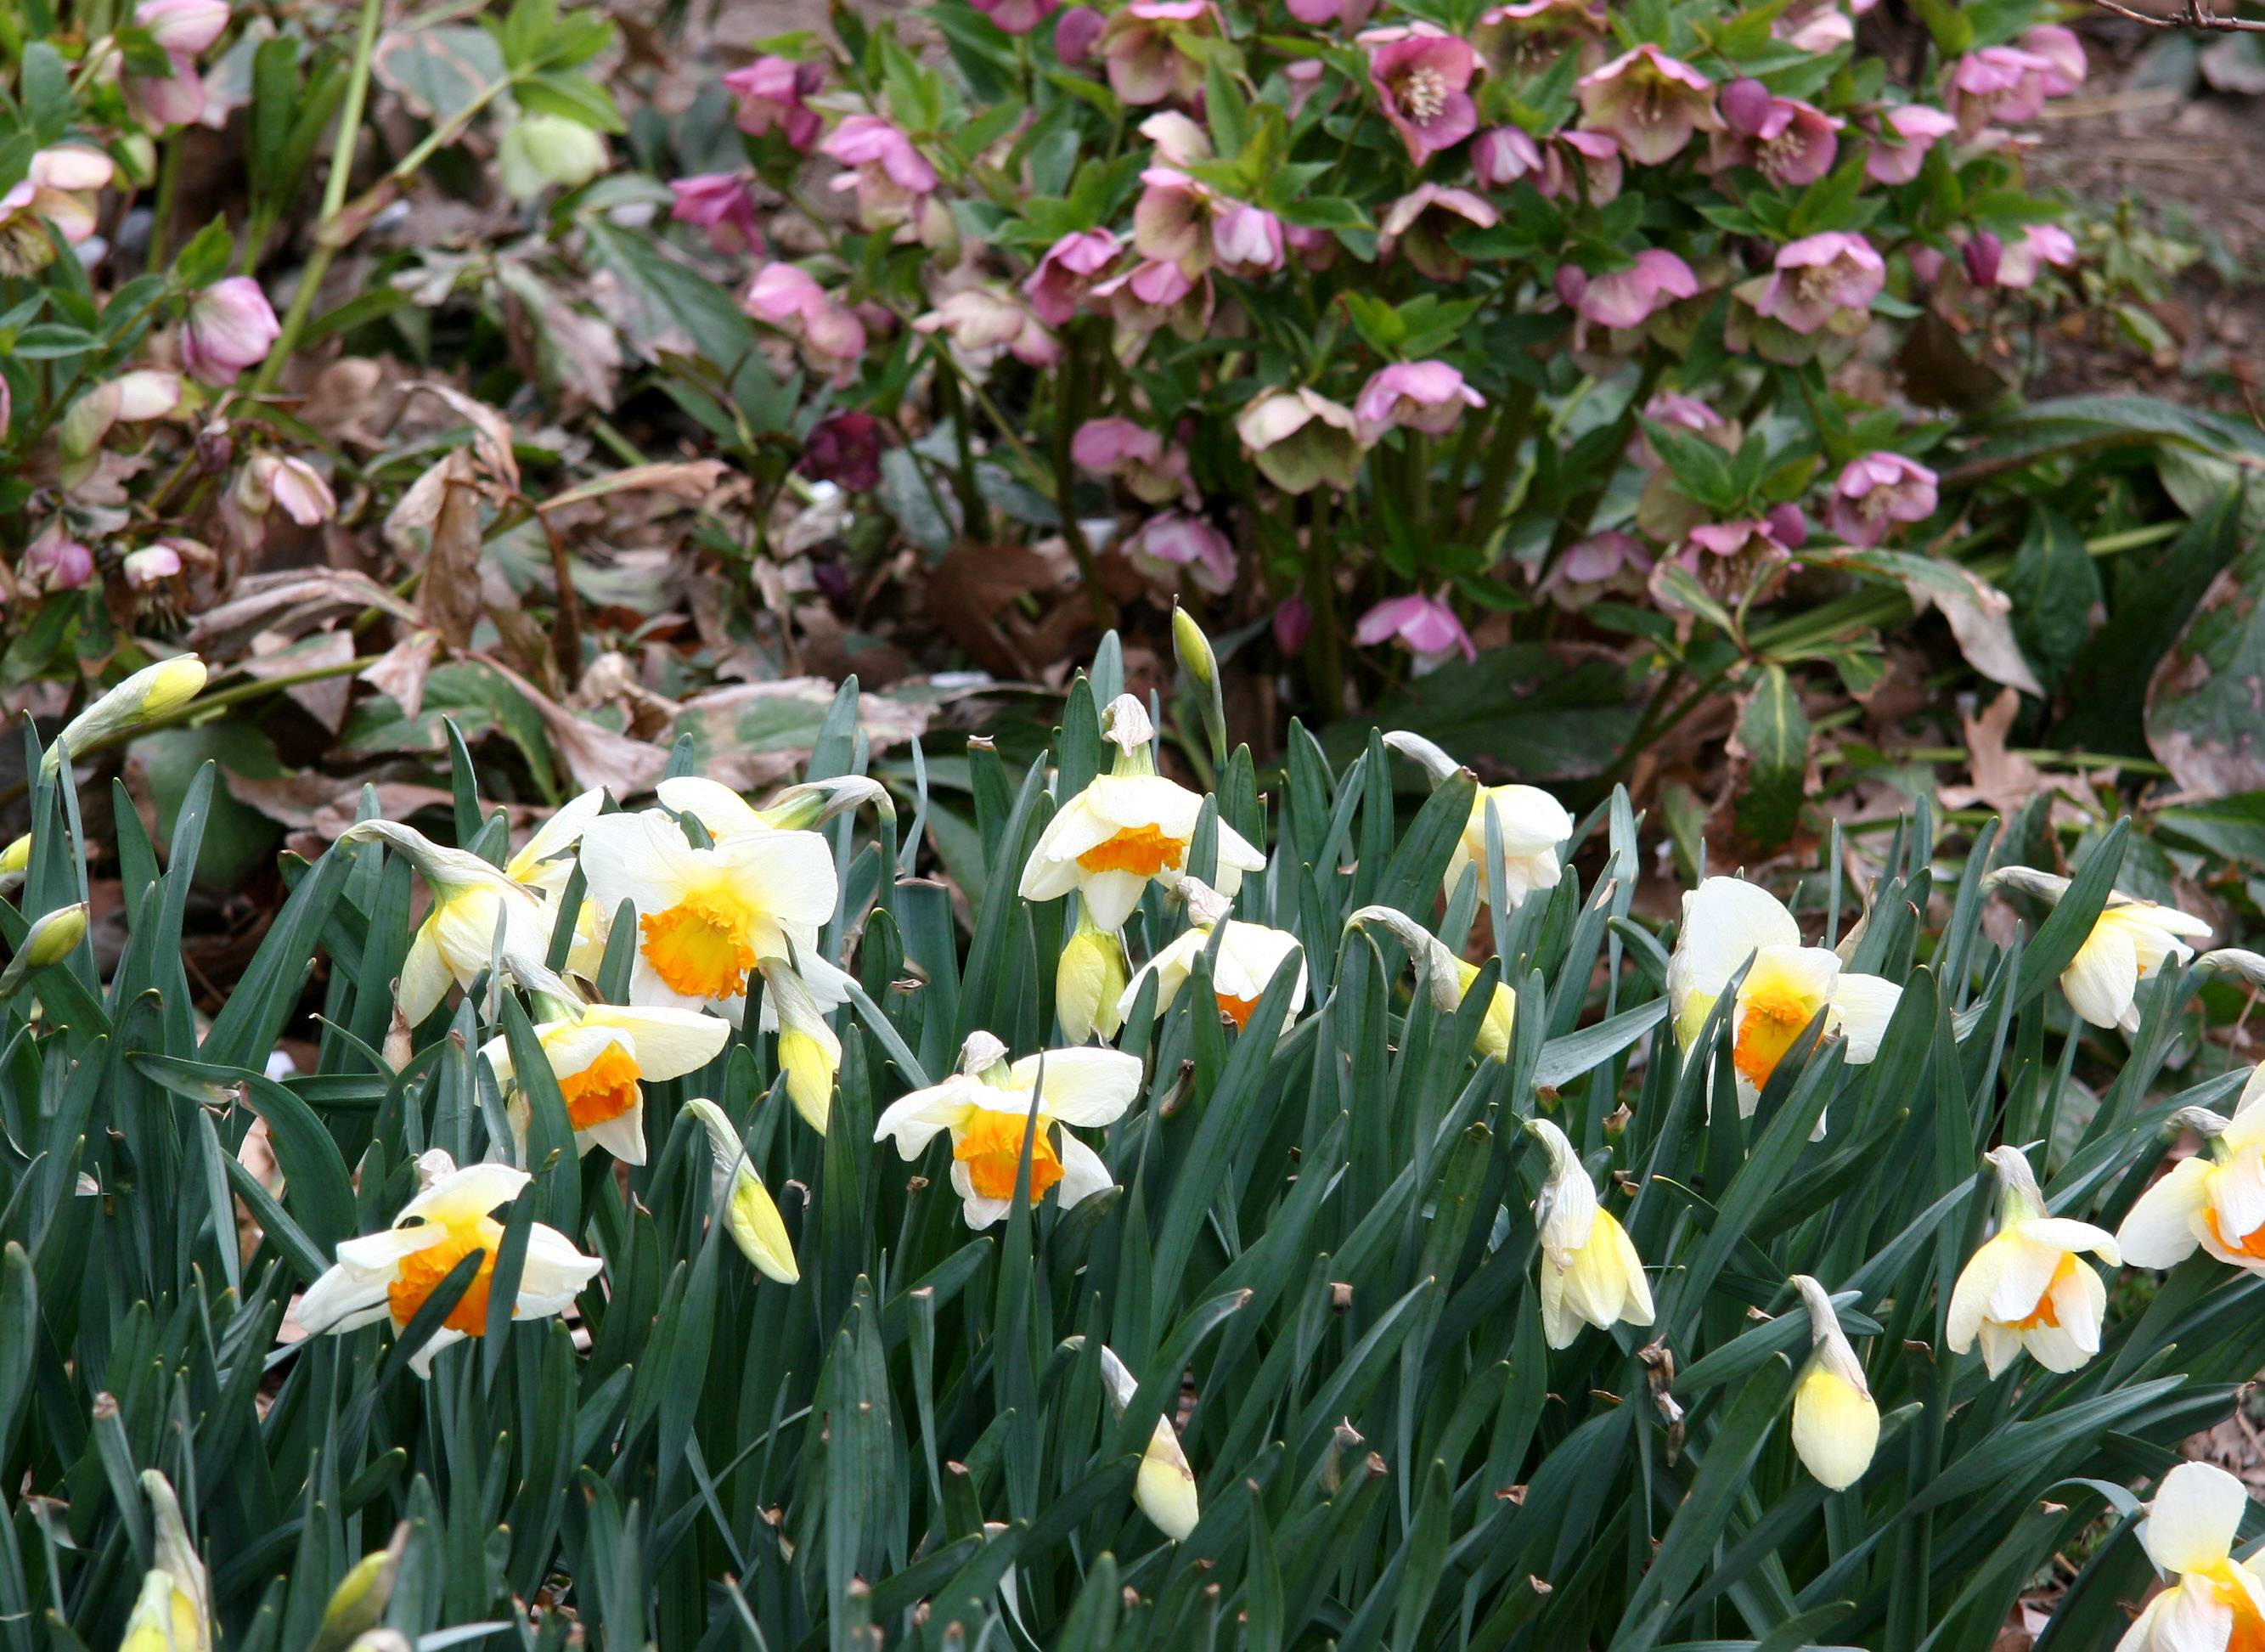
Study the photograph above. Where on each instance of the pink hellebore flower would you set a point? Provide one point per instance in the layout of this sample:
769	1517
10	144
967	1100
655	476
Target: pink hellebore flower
791	299
1152	470
1823	280
1999	83
1299	439
55	563
1594	155
1423	82
1649	102
152	565
1787	141
845	449
1158	294
1016	16
1530	36
770	91
1172	219
1420	221
1168	543
1420	396
1674	407
1874	492
2063	54
132	398
1247	240
1141	44
231	326
1502	155
1630	297
1179	141
1819	26
60	186
1293	624
1064	275
1075	30
1426	624
719	203
183	29
1916	126
2023	261
1787	524
890	175
984	323
1593	566
292	484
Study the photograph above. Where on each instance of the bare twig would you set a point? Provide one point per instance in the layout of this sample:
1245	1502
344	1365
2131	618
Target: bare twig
2189	15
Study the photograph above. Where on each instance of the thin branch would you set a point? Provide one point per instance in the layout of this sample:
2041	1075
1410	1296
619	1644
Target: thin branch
2191	16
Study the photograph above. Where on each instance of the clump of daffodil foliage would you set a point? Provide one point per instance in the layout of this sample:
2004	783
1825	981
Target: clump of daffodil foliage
1306	1210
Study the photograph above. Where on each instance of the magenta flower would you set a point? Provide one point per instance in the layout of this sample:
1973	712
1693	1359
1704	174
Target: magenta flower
1422	81
1650	104
789	298
845	449
1732	539
1420	221
719	203
1168	543
1502	155
229	327
1425	624
1299	439
1421	395
771	91
1593	155
55	561
1787	524
1293	624
1152	470
1999	83
1066	274
1526	38
1823	280
1787	141
1141	46
1981	254
2023	261
2063	54
1016	17
1628	298
1876	492
1247	240
1075	30
1158	294
1915	126
890	175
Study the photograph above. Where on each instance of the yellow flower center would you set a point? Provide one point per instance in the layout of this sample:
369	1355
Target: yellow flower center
605	1088
420	1272
1143	850
1424	93
2045	1313
990	1145
702	947
1773	1018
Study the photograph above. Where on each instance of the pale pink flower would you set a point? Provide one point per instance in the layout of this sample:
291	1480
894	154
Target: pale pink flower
1316	13
1247	240
1316	248
1152	470
1727	559
1422	81
1674	407
1421	395
1502	155
1075	30
1016	17
1172	219
720	203
1158	294
60	186
1650	103
2063	54
1999	83
291	483
789	298
1627	298
132	398
1179	141
891	176
152	565
1300	440
1599	564
1425	624
1065	273
183	30
2023	261
1574	163
1787	141
1817	26
1916	126
770	91
1141	46
1417	225
984	323
1876	492
1823	280
1731	539
1168	543
56	562
229	327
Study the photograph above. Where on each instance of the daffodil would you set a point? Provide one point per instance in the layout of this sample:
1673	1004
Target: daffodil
810	1054
2215	1603
1533	825
1590	1270
1165	1486
1836	1425
153	692
545	863
987	1107
800	808
1130	827
173	1612
1730	924
707	917
52	937
1090	979
1250	957
751	1214
2025	1288
2214	1200
2128	944
480	915
15	861
602	1055
1447	978
390	1274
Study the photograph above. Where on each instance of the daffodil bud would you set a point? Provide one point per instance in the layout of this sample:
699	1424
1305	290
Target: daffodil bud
753	1217
1590	1270
1836	1424
1201	667
357	1604
15	861
1165	1488
815	802
153	692
1089	979
1125	725
809	1053
172	1613
50	940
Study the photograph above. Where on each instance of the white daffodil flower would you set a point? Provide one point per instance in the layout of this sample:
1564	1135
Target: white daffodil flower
987	1105
1447	978
707	917
2128	945
1590	1270
748	1209
1165	1488
601	1056
471	902
390	1274
800	808
2215	1603
810	1054
173	1613
1836	1424
545	863
1534	827
1130	827
1728	922
2025	1288
2214	1200
1250	954
1089	981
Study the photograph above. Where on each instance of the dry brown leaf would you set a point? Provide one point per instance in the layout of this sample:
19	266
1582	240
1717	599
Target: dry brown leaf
402	669
492	437
595	756
1981	620
2002	780
691	480
291	602
325	699
449	591
972	587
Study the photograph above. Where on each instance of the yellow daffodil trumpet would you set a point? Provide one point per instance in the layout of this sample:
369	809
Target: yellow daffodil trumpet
1447	978
1836	1424
480	915
1589	1271
2129	944
744	1201
2025	1288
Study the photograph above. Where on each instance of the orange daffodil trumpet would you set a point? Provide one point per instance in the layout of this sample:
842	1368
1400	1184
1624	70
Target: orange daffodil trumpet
1533	826
388	1275
2129	944
2025	1288
2213	1200
1132	827
1165	1488
1447	978
1836	1424
1730	924
2215	1603
1589	1271
602	1055
987	1107
1249	955
749	1210
480	915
